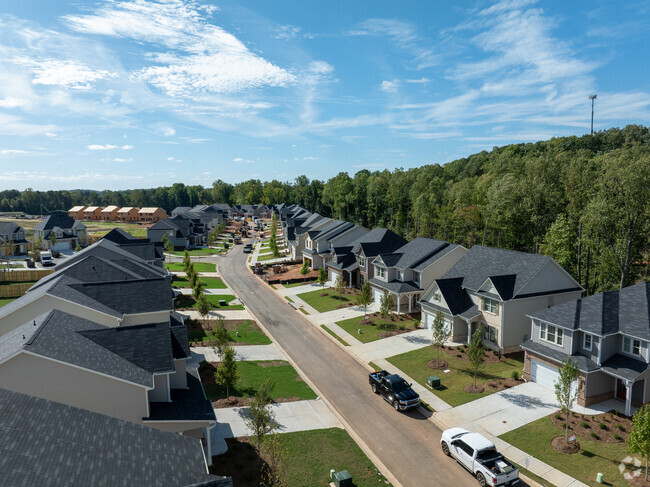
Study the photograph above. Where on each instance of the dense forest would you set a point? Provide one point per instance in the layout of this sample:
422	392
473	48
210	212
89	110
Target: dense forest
583	200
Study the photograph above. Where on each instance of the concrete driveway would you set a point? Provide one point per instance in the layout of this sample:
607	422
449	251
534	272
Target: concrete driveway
503	411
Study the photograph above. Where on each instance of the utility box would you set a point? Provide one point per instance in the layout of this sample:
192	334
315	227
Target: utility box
222	302
342	479
433	382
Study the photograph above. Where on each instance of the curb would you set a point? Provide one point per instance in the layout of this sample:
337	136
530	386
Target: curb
371	455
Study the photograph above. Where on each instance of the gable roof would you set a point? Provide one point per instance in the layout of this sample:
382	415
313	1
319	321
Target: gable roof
110	209
127	209
51	221
508	270
378	240
119	236
8	228
77	208
624	311
54	445
418	251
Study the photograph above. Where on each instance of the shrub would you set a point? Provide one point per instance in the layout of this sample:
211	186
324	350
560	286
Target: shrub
584	424
617	437
594	435
563	425
602	426
495	352
458	355
558	416
515	375
620	427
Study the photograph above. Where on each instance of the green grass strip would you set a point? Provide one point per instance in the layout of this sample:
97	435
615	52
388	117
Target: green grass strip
343	342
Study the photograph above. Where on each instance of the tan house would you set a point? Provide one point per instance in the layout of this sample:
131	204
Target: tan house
152	214
109	214
76	212
128	214
93	213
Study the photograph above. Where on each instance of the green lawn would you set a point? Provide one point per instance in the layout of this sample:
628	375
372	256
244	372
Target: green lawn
98	228
414	364
370	332
211	282
248	333
535	439
198	266
288	383
188	302
296	284
202	251
343	342
324	303
263	258
4	301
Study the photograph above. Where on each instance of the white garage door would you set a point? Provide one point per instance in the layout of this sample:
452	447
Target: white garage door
429	320
377	294
334	275
62	246
543	374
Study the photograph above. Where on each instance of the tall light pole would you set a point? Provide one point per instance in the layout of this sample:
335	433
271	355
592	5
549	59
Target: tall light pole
592	98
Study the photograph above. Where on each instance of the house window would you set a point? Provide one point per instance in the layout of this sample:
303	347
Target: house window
436	297
381	271
309	244
362	262
490	305
401	276
416	278
632	346
551	334
587	342
490	333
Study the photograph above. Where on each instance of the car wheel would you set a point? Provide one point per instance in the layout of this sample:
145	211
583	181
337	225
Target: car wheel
445	448
396	405
374	388
481	480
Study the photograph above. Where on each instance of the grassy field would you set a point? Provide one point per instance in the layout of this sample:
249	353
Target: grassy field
414	364
211	282
198	266
248	333
288	383
188	302
99	229
371	331
343	342
4	301
535	439
324	303
309	457
197	252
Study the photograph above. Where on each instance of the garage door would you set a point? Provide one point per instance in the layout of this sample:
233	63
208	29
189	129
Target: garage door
334	275
62	246
429	320
543	374
377	294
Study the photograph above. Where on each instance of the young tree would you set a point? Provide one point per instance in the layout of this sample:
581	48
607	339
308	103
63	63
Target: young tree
35	252
167	244
227	375
638	441
187	260
203	306
218	337
261	419
52	239
566	389
339	286
304	270
322	277
364	298
476	352
386	304
440	333
274	472
78	248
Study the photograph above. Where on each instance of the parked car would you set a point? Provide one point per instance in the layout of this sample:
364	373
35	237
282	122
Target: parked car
394	389
248	248
479	455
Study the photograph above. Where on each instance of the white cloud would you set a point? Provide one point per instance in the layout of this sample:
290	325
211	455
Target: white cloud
120	159
68	73
419	81
12	102
238	159
200	57
13	151
287	32
127	147
389	86
102	147
168	131
50	134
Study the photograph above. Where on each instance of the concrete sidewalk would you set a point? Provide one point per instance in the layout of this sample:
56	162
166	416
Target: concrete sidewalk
243	353
388	347
290	416
235	314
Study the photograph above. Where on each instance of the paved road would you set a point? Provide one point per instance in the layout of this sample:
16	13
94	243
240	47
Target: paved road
406	443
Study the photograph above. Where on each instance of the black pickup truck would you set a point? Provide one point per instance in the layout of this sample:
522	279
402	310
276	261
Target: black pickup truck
394	389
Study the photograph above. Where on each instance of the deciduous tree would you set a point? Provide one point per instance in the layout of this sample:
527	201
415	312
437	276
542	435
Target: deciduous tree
227	374
638	441
567	388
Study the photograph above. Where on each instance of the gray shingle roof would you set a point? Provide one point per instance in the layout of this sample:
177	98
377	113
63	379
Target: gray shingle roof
457	299
7	228
51	221
624	311
397	287
120	236
378	241
585	364
415	253
53	445
624	367
186	404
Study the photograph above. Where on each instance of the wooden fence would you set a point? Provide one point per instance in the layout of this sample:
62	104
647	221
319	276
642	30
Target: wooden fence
14	290
24	275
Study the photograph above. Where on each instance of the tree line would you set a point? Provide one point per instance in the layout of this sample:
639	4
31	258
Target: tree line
583	200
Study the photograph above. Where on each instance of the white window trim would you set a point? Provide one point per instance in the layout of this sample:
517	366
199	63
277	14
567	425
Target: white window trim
496	303
558	332
584	341
437	297
380	271
631	351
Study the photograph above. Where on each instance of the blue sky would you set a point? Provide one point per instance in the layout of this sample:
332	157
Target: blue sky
123	94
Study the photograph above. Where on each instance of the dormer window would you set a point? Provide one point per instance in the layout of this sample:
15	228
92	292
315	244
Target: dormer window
381	271
587	342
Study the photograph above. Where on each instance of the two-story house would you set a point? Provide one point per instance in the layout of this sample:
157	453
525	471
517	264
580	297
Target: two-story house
109	214
13	234
128	214
319	243
297	235
152	214
607	335
76	212
181	231
69	233
496	289
406	272
353	262
93	213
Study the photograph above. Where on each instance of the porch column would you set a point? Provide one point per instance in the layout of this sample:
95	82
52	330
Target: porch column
628	398
350	280
208	443
410	302
469	332
398	303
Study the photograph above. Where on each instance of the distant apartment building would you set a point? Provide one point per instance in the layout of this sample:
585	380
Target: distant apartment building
76	212
128	214
152	214
93	213
109	214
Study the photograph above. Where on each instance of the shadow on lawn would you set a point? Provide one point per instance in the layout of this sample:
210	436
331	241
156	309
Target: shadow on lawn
523	400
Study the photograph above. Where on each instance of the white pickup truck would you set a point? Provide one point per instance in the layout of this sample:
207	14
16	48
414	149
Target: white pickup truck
479	455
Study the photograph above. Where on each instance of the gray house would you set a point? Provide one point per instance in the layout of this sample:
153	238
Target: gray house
181	231
68	232
320	243
606	334
12	233
496	289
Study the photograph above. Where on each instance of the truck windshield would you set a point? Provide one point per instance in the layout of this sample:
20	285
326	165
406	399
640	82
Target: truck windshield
400	385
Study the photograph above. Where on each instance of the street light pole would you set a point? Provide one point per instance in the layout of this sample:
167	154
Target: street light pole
592	98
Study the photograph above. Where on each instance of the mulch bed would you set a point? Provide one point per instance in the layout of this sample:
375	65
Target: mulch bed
491	357
563	446
584	425
437	363
502	384
240	461
640	481
474	389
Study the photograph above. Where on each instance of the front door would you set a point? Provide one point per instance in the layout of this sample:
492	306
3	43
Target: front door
621	391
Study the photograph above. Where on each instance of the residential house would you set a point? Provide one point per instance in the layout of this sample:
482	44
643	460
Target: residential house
76	212
180	210
297	235
128	214
13	234
496	289
407	271
109	214
352	262
52	444
181	231
138	249
152	214
68	233
607	335
319	243
134	373
93	213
